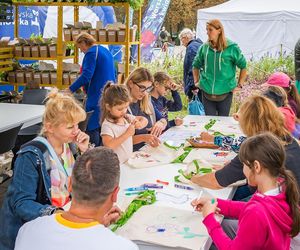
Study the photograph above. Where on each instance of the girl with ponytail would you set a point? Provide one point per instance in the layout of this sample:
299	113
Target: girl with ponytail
117	126
272	214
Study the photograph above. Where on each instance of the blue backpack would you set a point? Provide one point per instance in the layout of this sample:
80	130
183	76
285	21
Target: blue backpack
195	107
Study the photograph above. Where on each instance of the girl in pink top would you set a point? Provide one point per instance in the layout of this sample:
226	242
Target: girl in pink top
118	127
272	216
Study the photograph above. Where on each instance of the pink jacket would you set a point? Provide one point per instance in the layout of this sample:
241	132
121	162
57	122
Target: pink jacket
289	118
264	223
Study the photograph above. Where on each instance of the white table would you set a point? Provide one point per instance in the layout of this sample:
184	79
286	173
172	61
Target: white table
192	124
11	115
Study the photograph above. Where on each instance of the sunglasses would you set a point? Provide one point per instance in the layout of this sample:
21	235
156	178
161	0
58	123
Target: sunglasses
143	88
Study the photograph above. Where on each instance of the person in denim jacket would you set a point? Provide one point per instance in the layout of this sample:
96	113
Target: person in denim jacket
41	181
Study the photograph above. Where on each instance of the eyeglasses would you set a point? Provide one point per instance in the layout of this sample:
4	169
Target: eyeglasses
143	88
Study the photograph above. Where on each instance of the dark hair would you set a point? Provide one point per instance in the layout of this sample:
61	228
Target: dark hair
270	153
293	92
95	175
113	94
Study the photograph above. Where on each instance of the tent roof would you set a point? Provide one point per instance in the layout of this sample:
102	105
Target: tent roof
250	9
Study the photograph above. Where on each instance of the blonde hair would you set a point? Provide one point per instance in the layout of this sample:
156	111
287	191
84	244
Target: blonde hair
161	78
259	114
86	38
61	109
141	75
221	42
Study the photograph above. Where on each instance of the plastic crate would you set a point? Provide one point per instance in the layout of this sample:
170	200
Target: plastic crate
6	13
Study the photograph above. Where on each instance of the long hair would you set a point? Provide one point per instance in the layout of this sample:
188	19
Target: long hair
221	42
112	95
61	108
141	75
259	114
270	153
293	92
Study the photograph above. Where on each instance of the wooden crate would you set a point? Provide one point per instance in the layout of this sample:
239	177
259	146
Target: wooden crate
6	56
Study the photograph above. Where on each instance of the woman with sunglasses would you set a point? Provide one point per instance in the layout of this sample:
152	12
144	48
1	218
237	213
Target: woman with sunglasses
140	84
218	59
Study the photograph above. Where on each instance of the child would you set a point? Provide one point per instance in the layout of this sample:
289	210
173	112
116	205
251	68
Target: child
162	83
272	215
282	80
118	127
279	97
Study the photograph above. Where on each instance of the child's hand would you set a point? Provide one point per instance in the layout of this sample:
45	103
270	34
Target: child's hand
111	216
173	86
178	121
152	140
131	129
206	205
82	141
206	137
157	128
137	124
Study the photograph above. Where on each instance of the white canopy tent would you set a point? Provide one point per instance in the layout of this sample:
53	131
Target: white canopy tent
260	27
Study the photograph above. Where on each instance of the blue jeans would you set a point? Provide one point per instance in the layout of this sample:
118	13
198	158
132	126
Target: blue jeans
95	137
221	108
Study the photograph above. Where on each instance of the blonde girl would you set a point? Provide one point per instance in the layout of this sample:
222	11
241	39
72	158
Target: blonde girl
140	84
118	127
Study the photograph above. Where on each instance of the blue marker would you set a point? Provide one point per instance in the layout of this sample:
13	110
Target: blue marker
152	185
183	187
142	188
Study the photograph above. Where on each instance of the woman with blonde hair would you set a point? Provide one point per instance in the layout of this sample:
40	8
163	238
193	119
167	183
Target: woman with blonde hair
140	84
218	59
41	180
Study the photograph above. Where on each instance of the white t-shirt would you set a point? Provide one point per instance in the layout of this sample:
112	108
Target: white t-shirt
56	233
124	151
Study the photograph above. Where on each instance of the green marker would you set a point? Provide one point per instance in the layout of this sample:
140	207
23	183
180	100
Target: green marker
213	201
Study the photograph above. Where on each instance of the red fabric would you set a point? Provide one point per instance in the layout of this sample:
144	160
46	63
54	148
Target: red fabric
289	117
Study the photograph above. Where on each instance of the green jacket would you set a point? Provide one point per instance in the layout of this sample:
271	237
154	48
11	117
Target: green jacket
218	68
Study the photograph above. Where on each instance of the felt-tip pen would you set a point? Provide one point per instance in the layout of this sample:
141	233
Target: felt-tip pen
162	182
152	185
183	187
142	188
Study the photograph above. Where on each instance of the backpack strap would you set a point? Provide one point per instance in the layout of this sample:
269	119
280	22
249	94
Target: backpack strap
41	196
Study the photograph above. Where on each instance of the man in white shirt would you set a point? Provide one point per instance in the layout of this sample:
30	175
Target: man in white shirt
95	185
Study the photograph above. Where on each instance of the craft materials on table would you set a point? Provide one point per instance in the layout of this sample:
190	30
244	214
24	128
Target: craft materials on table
183	187
162	182
210	124
144	198
166	226
193	168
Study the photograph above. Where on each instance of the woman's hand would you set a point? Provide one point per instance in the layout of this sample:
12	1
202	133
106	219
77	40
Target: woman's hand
158	128
207	137
152	140
178	121
82	141
206	205
111	216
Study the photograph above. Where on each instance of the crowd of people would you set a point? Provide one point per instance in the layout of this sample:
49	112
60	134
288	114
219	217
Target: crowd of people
65	164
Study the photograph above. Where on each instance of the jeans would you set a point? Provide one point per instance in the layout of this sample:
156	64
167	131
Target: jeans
95	137
221	108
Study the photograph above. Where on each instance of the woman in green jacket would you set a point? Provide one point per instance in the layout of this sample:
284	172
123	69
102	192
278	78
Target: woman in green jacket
214	69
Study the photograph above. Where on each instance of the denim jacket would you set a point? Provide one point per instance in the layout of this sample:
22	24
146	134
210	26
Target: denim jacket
20	203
